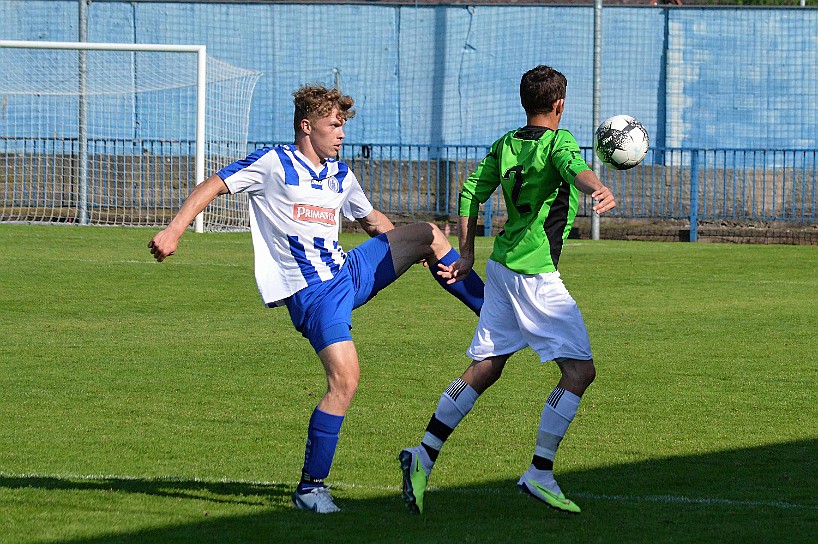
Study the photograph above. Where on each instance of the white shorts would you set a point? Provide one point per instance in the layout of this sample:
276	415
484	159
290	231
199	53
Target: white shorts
534	310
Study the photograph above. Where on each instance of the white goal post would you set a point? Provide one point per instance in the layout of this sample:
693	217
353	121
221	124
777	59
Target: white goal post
117	134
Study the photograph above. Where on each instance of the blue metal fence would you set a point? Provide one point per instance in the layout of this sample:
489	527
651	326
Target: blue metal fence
423	181
741	185
722	91
694	184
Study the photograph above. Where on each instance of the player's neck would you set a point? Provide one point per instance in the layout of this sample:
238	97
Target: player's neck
303	145
547	120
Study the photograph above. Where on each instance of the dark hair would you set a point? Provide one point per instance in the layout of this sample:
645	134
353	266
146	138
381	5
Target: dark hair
540	87
316	101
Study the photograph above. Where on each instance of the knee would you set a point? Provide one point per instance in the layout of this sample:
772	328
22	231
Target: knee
481	375
438	241
429	231
343	387
348	386
587	373
577	375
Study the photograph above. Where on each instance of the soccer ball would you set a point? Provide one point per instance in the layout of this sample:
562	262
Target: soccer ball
621	142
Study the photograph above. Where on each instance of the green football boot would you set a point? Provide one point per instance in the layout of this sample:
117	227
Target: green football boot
414	480
554	500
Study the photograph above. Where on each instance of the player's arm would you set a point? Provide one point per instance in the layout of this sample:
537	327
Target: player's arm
458	270
588	183
164	244
477	189
567	158
375	223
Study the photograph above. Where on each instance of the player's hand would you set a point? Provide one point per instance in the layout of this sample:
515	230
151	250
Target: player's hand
457	271
604	200
163	245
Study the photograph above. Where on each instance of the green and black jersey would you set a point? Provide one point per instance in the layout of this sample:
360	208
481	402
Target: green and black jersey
536	167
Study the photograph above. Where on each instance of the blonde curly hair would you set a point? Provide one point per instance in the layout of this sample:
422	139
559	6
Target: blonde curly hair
316	101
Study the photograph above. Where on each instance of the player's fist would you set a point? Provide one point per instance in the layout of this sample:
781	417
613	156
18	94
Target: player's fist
163	245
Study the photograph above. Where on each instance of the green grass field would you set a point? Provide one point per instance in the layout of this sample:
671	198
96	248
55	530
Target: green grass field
146	402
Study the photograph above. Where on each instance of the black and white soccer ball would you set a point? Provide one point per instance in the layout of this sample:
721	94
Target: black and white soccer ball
621	142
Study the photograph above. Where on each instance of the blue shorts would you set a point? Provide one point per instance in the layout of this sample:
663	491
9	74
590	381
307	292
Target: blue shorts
322	312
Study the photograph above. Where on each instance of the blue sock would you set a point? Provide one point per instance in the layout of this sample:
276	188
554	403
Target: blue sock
468	291
322	439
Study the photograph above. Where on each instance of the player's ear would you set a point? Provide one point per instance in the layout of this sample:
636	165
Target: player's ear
306	126
559	106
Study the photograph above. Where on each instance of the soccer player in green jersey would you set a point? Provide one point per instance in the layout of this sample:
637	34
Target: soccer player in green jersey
540	170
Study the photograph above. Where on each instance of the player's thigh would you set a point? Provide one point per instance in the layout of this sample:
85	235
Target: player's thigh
409	244
370	267
551	321
498	330
323	312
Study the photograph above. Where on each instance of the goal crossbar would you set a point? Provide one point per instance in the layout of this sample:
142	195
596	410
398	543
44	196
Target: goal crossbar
201	96
94	46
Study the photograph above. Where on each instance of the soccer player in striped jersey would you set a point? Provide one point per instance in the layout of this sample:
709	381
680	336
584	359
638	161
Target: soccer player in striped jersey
296	195
540	171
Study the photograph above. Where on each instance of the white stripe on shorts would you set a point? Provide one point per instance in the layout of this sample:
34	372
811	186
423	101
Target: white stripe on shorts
529	310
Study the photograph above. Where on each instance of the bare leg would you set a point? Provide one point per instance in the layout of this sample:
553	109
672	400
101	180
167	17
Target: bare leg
411	243
576	375
482	374
343	371
340	362
456	402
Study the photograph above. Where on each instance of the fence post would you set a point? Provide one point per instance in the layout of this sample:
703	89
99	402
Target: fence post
82	117
487	218
694	195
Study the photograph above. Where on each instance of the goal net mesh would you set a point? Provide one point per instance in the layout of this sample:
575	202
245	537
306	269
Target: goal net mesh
109	137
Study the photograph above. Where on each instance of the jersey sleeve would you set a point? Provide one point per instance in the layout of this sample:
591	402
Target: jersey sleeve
356	205
480	185
566	156
247	174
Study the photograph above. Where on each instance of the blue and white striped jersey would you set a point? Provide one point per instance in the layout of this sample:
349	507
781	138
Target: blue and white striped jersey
294	213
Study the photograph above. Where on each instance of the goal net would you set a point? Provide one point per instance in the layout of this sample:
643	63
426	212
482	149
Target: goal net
118	134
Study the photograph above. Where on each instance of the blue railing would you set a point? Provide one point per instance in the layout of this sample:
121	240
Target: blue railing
741	185
423	182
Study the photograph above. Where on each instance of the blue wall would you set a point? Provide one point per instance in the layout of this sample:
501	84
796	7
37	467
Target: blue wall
696	77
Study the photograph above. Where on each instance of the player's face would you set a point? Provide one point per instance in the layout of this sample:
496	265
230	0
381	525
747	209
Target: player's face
326	135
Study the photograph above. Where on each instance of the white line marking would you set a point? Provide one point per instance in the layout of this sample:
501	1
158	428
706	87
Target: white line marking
657	499
148	261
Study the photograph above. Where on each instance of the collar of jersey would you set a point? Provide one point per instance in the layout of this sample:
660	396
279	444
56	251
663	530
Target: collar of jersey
531	132
317	177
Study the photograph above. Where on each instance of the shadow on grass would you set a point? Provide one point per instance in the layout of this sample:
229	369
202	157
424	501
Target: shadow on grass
751	495
217	492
